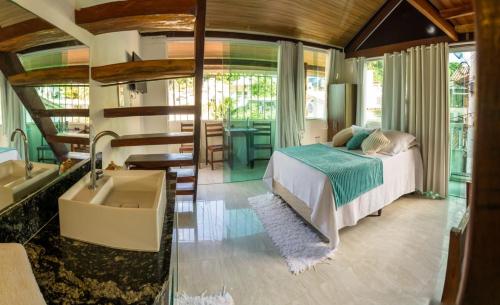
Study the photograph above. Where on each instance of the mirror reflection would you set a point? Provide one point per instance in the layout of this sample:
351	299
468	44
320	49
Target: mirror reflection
44	101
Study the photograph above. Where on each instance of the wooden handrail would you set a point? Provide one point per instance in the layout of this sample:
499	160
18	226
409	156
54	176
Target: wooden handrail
455	257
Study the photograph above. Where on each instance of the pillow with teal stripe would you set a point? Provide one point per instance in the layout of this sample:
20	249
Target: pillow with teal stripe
357	139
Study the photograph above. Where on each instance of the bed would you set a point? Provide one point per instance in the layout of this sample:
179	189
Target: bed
7	153
309	191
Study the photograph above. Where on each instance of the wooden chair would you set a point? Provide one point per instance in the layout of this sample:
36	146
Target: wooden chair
213	130
263	131
187	147
454	265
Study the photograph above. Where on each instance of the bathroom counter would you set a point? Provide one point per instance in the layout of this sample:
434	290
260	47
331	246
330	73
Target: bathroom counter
73	272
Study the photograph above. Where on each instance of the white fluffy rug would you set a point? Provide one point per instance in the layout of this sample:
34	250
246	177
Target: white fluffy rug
299	244
222	299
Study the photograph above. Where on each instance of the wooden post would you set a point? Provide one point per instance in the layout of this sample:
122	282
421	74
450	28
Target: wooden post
199	45
481	281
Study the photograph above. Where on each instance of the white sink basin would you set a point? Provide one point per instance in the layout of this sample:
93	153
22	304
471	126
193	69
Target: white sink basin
13	183
126	210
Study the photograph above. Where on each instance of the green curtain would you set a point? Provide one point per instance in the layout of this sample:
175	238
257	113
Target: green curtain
335	66
334	72
428	111
415	100
300	97
394	91
360	80
291	99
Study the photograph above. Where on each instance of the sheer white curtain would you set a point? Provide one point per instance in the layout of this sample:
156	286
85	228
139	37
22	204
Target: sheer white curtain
335	66
291	94
360	94
12	114
415	100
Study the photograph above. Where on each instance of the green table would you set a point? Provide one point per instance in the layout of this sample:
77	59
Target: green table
230	133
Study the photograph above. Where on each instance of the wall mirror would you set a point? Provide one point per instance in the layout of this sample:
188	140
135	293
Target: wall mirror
44	101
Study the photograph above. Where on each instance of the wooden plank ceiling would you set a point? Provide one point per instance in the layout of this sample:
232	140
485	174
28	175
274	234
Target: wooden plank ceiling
459	12
325	22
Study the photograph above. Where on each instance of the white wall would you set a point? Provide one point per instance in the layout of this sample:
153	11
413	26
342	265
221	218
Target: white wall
315	132
108	49
155	48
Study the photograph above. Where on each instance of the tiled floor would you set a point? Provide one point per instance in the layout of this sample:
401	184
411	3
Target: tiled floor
398	258
222	173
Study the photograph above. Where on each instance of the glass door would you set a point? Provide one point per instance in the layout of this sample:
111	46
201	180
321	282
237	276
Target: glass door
462	116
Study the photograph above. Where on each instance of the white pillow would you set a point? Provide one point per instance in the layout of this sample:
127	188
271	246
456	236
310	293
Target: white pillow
375	142
400	141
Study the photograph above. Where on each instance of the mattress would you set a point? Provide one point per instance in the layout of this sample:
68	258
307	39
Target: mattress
403	174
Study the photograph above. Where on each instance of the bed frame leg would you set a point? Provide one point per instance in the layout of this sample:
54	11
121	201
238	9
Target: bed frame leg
379	212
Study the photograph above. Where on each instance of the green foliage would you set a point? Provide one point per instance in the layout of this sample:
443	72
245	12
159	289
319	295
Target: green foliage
377	66
262	87
453	67
219	110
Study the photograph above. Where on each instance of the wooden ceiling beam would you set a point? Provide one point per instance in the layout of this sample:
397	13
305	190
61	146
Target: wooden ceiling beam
372	25
428	10
457	12
142	15
29	34
52	76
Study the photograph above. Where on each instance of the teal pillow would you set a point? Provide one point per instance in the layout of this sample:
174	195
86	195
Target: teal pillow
357	139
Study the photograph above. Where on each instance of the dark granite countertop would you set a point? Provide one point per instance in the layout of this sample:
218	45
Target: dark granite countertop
73	272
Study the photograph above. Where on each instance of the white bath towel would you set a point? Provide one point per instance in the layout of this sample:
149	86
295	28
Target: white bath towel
17	282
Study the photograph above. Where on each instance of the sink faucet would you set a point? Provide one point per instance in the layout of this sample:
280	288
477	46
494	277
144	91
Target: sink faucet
97	174
28	164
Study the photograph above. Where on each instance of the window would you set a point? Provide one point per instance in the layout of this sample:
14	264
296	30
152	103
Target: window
373	79
63	96
240	80
314	64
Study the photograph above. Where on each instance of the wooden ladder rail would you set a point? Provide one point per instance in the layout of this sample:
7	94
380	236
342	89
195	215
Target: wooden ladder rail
454	264
199	45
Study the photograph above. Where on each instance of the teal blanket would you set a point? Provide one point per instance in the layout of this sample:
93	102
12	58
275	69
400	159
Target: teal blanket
350	174
4	149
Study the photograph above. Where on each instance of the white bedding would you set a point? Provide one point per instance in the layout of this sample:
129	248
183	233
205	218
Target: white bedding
403	174
7	155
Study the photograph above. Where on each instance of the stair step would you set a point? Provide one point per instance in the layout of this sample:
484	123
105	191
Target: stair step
147	111
44	113
159	161
183	174
184	188
69	138
78	156
153	139
52	76
147	70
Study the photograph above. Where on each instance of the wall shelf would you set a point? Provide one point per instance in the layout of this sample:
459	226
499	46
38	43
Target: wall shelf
147	70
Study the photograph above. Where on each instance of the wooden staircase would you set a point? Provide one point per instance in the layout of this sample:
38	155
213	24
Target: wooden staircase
181	167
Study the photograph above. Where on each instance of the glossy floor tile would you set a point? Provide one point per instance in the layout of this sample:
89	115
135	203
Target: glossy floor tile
398	258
